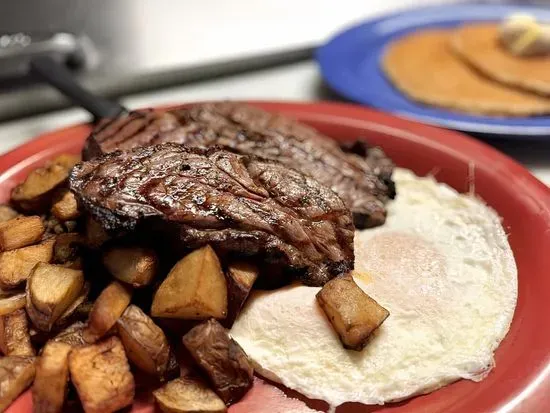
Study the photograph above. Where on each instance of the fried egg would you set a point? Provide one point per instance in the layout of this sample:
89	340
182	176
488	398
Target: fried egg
443	268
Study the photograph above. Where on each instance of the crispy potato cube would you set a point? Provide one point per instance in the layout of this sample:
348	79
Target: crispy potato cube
107	309
35	193
195	288
185	395
353	314
221	358
16	374
12	303
101	375
67	247
145	343
7	213
65	208
15	339
240	279
74	308
51	289
73	335
95	235
20	232
16	265
133	265
51	379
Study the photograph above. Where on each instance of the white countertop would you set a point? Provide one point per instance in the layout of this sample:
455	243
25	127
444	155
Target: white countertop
300	82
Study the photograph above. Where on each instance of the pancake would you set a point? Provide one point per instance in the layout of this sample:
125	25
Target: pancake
423	66
478	45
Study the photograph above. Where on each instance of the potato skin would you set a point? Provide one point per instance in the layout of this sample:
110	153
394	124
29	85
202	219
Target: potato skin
132	265
15	339
52	376
240	279
107	309
195	288
145	343
16	374
185	395
353	314
221	358
102	377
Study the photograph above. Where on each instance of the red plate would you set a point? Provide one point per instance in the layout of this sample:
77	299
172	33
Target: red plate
520	382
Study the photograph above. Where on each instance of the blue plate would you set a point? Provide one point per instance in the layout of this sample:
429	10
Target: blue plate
350	64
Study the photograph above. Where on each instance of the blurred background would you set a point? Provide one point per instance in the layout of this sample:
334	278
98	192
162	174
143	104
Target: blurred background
150	52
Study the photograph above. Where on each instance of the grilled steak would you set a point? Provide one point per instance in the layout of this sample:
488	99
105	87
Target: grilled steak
363	182
238	204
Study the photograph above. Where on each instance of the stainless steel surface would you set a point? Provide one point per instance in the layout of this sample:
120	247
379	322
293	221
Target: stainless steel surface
147	44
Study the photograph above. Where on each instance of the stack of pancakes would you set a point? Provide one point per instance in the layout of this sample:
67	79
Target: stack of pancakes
467	69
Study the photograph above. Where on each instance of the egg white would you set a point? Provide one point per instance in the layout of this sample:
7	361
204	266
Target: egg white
444	269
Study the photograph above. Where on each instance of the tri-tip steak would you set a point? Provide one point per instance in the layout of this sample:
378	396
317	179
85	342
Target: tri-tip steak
241	205
362	178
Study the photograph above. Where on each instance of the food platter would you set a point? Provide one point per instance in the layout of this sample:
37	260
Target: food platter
350	64
520	381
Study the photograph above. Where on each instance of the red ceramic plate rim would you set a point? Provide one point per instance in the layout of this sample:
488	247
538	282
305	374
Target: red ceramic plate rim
521	380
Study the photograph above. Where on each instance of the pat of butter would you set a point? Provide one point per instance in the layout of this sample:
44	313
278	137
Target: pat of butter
522	35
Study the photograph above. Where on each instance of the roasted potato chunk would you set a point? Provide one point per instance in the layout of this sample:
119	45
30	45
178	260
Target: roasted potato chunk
75	309
36	192
133	265
195	288
72	335
185	395
95	235
7	213
221	358
106	310
15	339
101	375
145	343
51	379
20	232
51	289
16	374
240	279
16	265
67	247
353	314
65	208
12	303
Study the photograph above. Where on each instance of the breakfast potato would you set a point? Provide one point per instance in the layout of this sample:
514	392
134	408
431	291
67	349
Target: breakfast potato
7	213
102	377
145	343
77	309
106	310
195	288
16	265
240	279
36	192
353	314
133	265
51	289
95	235
20	232
11	303
52	378
72	335
65	207
67	247
221	358
15	339
16	375
186	395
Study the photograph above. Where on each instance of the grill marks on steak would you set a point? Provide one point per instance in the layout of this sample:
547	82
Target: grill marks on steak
362	183
238	204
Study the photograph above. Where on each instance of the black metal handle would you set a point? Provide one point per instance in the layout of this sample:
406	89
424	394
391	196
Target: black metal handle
58	76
